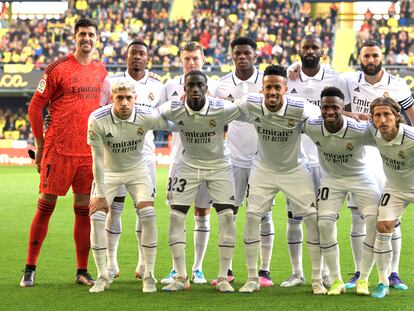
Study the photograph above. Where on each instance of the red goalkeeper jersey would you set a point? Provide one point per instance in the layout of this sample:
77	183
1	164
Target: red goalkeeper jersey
72	91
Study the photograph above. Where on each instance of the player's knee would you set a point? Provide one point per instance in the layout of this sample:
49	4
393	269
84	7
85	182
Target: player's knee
385	226
181	208
99	216
119	199
48	197
198	211
326	227
221	207
81	199
294	220
147	215
251	229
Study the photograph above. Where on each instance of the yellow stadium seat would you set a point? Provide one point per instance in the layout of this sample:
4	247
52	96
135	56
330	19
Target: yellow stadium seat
260	44
11	135
232	17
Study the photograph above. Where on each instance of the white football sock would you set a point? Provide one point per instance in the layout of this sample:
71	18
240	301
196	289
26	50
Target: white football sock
201	236
252	243
99	242
267	237
312	240
294	237
383	255
177	240
329	244
113	233
138	234
367	260
396	248
149	238
227	239
357	236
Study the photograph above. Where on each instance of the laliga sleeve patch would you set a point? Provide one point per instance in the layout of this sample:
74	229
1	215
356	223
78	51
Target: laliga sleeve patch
42	84
91	133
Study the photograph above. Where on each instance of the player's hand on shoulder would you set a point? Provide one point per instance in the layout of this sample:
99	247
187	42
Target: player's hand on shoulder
98	204
293	71
153	75
359	116
48	121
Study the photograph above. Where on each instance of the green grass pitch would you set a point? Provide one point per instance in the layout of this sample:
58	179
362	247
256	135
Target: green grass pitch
55	288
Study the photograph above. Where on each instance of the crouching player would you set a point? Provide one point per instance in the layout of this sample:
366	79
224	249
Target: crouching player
395	142
340	141
116	134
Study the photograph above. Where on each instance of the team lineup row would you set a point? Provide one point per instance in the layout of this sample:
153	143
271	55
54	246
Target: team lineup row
277	106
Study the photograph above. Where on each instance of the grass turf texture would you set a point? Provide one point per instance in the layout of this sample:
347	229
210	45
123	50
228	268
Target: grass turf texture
55	288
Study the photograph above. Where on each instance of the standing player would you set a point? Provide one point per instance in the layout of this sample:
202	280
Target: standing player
340	141
395	142
116	135
71	88
150	93
201	121
242	141
278	121
192	58
363	87
312	79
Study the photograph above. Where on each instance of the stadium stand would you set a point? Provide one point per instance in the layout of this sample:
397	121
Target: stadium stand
396	35
276	25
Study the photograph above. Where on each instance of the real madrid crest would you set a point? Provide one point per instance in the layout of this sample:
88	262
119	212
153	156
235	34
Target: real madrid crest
401	154
151	96
349	146
291	123
140	131
213	123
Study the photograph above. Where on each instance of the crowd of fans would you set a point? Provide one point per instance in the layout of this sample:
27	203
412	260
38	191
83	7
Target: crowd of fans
276	25
395	35
15	125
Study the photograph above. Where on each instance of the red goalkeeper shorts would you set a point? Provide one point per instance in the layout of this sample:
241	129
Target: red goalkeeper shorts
59	172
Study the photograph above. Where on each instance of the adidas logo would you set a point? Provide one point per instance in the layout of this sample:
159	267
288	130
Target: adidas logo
312	205
257	120
109	135
180	123
357	89
175	93
232	198
294	91
230	96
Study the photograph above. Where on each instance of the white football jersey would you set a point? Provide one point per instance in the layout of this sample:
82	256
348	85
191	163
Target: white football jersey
150	93
397	158
361	93
174	90
341	154
311	88
241	137
123	140
279	133
202	132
